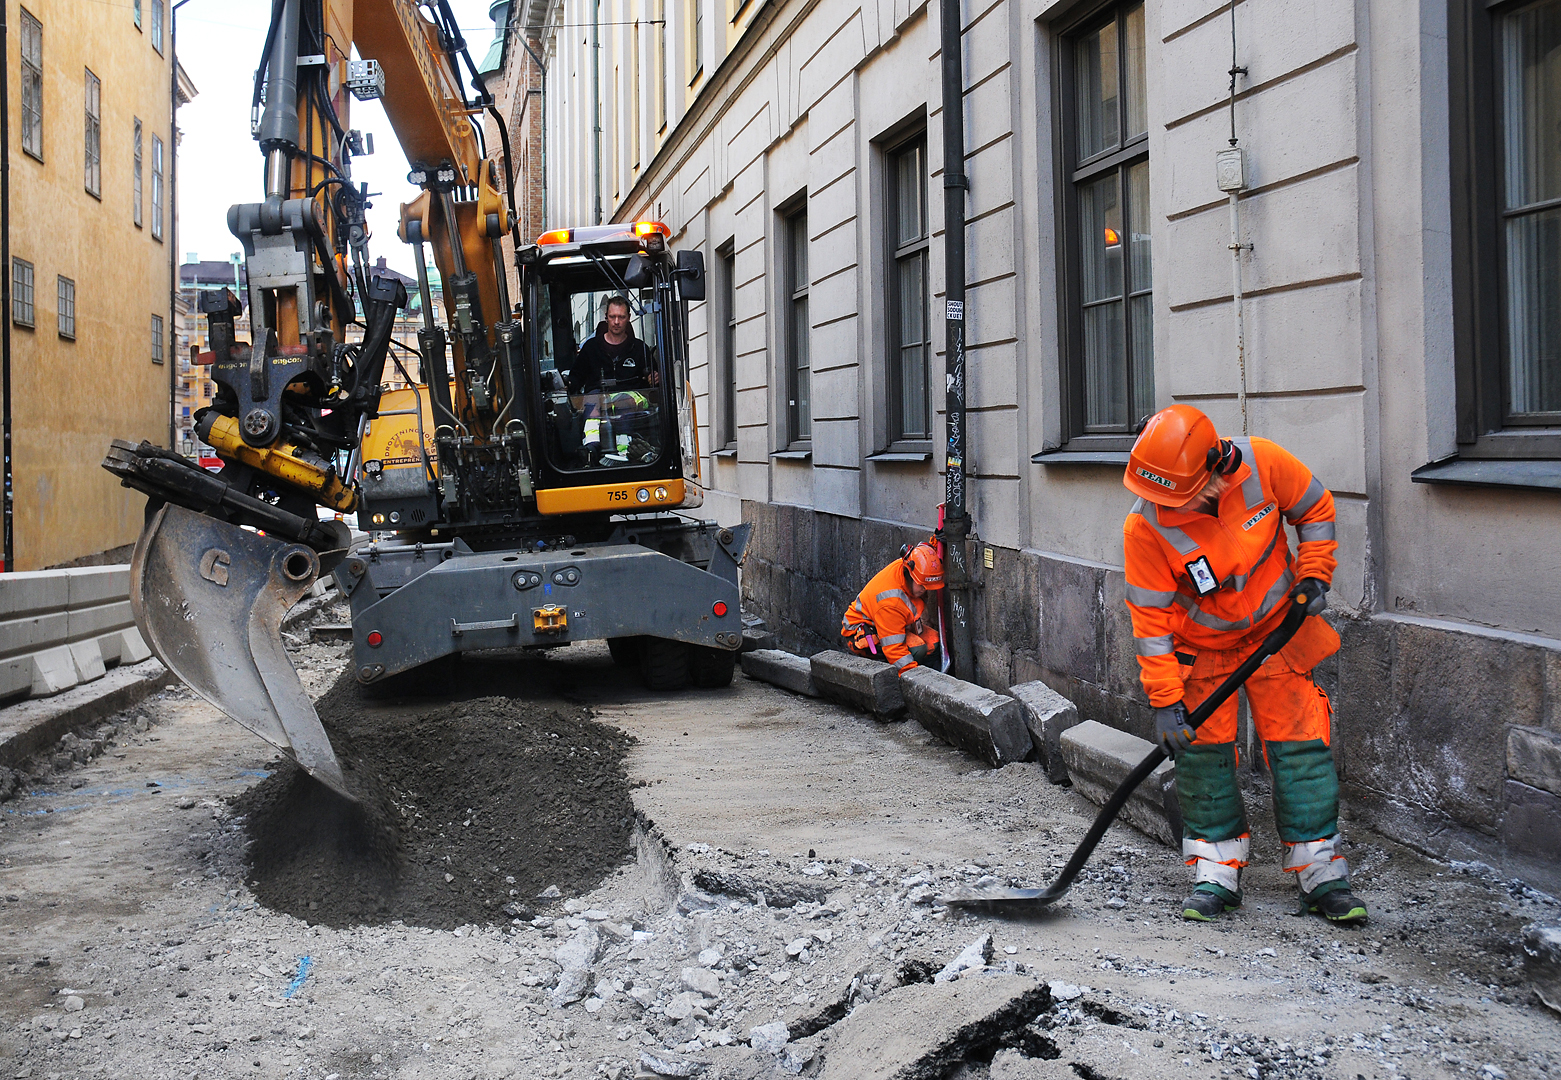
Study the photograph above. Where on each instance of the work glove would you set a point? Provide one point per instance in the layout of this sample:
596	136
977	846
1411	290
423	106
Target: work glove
1314	591
1172	729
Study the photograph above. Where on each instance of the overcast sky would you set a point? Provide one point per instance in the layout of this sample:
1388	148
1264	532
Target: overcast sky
219	46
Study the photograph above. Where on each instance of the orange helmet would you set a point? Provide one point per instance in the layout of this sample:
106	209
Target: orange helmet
924	566
1173	456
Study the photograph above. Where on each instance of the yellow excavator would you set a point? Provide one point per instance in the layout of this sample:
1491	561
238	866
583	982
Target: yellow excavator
527	489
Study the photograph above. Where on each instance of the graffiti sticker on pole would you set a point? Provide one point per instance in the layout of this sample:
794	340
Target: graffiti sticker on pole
955	311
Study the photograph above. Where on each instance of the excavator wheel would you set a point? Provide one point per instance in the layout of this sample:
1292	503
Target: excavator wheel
625	650
711	668
664	663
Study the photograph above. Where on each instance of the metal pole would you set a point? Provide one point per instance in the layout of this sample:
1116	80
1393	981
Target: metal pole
5	288
956	528
596	113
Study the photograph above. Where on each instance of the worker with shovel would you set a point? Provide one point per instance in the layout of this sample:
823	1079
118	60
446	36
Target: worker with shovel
1209	570
889	620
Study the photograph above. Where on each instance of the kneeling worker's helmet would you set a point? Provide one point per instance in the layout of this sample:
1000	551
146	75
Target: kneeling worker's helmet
1174	455
924	566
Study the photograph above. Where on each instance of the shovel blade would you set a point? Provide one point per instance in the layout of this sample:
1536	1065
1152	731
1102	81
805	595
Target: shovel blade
209	598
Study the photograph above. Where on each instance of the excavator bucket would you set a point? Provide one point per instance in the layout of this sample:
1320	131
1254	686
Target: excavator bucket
209	599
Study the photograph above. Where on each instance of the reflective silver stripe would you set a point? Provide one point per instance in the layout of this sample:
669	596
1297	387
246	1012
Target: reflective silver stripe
1149	597
1308	499
887	593
892	639
1225	852
1203	618
904	662
1315	530
1316	862
1154	646
1252	486
1173	536
1276	593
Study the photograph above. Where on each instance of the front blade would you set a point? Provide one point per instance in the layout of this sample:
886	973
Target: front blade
209	598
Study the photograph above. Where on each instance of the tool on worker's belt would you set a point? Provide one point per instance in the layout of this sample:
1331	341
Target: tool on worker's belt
1036	898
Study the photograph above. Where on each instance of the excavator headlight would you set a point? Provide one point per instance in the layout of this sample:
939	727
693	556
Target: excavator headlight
643	494
445	176
418	177
661	494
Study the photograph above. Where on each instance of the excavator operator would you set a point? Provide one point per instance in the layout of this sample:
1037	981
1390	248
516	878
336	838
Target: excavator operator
889	620
1209	569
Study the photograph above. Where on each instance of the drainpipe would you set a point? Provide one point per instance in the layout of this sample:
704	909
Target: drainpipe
172	330
596	112
5	289
956	522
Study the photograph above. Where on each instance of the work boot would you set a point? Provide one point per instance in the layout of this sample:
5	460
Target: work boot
1208	902
1340	905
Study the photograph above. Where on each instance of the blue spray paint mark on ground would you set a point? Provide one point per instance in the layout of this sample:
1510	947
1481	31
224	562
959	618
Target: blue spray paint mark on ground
304	964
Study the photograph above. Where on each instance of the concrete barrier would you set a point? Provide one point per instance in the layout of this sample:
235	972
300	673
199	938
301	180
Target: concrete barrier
782	669
870	685
1047	714
60	628
1099	759
981	722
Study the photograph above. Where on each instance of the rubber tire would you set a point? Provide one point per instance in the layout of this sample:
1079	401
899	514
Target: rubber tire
711	668
625	650
664	663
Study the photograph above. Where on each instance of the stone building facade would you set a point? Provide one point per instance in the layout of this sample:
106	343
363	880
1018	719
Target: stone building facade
90	231
1391	224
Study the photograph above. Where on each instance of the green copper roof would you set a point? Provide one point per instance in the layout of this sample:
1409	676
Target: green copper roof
498	11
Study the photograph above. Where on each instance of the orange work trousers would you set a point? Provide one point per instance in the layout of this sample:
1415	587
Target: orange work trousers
1286	705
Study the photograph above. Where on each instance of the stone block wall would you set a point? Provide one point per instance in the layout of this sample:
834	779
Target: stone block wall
1447	735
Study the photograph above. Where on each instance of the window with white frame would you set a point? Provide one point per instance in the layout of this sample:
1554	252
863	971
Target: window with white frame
135	176
93	151
157	188
21	292
32	84
66	309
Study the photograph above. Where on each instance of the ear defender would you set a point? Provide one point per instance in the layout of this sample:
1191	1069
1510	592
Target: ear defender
1224	457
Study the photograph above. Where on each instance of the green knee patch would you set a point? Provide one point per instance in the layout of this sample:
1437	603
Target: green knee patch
1306	790
1206	787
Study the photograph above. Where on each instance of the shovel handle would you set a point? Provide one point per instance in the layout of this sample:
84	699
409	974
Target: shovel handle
1276	640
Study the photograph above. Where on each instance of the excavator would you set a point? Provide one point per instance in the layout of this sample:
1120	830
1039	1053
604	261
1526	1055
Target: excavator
529	487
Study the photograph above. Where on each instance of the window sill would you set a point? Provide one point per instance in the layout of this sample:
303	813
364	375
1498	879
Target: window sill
1491	472
726	453
901	457
799	454
1067	456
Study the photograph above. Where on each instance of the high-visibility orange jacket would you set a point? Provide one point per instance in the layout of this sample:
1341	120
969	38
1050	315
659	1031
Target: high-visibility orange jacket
1206	581
886	609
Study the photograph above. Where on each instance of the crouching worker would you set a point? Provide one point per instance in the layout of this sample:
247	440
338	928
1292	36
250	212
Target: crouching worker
1209	575
889	619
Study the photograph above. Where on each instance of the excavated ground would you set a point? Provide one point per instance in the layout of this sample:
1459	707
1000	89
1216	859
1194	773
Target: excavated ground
466	811
155	916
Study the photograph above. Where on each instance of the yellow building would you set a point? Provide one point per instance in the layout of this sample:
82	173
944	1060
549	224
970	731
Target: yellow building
89	151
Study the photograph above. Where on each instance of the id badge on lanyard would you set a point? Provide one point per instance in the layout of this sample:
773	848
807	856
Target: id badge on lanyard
1202	575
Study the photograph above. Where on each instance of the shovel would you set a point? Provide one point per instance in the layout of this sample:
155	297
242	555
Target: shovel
1022	899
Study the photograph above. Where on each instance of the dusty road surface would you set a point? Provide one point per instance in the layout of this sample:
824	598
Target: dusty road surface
717	862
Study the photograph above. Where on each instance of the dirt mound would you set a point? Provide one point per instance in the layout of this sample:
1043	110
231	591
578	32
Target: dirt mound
466	807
